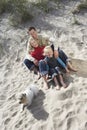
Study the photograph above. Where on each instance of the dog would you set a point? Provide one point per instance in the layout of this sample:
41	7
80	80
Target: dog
26	97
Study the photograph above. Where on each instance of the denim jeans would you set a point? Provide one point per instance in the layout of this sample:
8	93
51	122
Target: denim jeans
62	61
29	64
43	67
61	64
54	72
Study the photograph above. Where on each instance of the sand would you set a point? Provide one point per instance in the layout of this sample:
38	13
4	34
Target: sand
51	109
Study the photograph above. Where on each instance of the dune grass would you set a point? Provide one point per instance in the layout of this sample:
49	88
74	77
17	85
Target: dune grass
18	10
3	6
42	5
75	21
82	5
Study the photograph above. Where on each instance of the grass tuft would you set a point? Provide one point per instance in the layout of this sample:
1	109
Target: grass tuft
18	10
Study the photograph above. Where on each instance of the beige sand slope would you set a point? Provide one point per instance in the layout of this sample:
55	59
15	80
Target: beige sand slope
81	67
51	110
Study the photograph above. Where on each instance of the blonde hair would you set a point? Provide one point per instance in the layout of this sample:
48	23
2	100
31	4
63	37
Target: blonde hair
31	40
47	50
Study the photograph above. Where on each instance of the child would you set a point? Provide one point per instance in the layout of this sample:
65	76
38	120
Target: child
54	71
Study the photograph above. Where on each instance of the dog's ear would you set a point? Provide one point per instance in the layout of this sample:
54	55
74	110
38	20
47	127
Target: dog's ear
24	94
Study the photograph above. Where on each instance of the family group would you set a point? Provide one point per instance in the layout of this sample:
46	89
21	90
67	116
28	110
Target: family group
45	59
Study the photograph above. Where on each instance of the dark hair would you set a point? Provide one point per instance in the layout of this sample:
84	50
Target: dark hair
30	28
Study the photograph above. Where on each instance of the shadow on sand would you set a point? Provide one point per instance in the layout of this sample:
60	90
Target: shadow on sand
37	108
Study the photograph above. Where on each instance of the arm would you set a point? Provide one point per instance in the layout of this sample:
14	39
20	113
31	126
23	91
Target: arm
43	40
28	56
29	47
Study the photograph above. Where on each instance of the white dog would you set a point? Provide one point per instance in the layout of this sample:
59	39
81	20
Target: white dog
27	96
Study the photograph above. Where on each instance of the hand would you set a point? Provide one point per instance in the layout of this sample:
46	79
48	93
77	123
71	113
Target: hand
36	62
56	54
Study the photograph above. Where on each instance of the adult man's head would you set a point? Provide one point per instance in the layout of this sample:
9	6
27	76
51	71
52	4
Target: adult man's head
32	31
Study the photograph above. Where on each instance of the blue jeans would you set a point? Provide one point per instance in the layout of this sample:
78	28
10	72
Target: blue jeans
54	72
43	67
61	64
62	61
62	55
29	64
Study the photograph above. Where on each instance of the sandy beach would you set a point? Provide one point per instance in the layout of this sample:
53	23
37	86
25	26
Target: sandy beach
65	109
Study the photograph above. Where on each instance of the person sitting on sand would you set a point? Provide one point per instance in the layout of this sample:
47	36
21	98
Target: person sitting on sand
53	68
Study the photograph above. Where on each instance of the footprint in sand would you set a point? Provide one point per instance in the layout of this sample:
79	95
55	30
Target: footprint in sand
70	114
86	125
18	124
72	124
57	111
14	114
65	95
12	97
7	121
67	105
2	97
26	125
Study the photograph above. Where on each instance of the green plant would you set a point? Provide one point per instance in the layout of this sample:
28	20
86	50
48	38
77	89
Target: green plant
79	7
75	21
83	5
18	9
3	6
43	5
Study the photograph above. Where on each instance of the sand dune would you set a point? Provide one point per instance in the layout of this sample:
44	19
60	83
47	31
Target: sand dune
51	109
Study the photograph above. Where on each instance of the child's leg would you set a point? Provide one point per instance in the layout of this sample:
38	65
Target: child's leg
63	65
45	82
29	64
67	70
69	65
43	69
56	83
62	81
53	74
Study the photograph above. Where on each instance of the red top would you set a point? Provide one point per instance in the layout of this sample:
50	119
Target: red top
37	53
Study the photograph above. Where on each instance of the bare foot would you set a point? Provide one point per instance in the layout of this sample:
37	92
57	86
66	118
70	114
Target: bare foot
64	85
74	70
57	87
46	86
